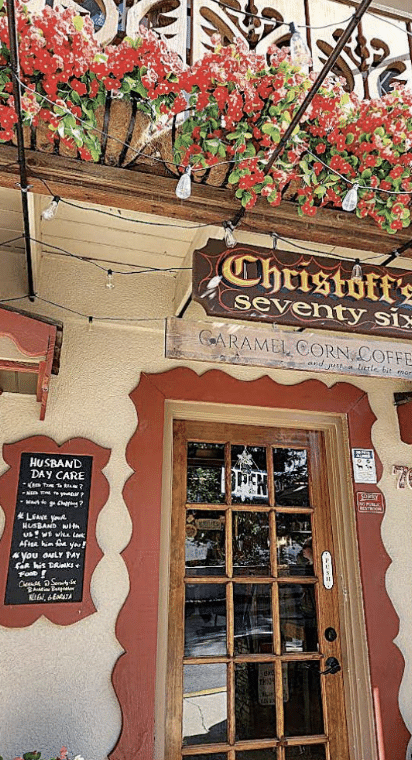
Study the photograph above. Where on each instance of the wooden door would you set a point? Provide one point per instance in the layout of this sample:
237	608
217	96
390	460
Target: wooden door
254	653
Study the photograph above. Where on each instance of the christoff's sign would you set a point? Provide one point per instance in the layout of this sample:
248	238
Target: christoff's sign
300	289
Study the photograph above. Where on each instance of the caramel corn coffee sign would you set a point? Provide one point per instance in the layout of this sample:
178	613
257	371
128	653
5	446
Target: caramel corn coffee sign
304	290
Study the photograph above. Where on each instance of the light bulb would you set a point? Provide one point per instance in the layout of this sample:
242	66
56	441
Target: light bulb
109	281
184	186
274	237
230	239
357	274
299	50
90	321
50	212
350	200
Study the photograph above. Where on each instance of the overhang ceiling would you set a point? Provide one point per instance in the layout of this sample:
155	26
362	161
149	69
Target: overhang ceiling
403	6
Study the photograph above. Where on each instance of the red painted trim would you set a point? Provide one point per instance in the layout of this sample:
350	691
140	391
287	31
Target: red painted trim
30	335
134	674
405	421
64	613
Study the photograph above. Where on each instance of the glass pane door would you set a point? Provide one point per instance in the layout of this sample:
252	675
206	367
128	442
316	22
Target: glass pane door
248	582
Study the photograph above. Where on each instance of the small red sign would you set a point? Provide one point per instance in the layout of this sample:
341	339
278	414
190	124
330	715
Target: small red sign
370	502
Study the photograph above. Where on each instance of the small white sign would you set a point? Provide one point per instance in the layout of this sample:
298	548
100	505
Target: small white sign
327	570
266	684
364	468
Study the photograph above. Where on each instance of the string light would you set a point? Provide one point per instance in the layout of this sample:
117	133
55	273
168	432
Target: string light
357	274
274	237
109	281
230	239
299	50
359	186
50	212
90	327
350	200
184	186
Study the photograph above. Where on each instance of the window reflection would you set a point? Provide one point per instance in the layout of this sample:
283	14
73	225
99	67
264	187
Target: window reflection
251	555
291	477
206	473
302	698
255	715
205	620
258	754
205	543
306	752
215	756
294	544
297	610
249	475
253	618
204	704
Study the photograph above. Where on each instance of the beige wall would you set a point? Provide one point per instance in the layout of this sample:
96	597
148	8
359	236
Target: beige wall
55	681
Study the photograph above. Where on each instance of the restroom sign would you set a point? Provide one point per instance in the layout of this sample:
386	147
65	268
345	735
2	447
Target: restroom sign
364	467
370	502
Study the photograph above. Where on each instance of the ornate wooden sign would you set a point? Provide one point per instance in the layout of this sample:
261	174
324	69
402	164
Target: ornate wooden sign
259	347
304	290
51	496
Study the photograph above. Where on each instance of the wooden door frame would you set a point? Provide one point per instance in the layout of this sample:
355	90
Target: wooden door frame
137	624
355	661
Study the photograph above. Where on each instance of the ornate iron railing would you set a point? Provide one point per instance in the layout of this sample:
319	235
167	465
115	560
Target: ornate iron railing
377	55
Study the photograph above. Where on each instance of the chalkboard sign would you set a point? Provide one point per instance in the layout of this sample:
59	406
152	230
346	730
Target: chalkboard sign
49	536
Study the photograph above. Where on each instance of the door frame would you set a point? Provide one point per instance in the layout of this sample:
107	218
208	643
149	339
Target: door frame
355	660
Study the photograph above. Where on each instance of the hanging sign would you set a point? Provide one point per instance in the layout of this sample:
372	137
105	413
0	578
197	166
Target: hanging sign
259	347
251	283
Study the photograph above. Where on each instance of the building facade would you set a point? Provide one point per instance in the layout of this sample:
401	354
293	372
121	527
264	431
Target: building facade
205	549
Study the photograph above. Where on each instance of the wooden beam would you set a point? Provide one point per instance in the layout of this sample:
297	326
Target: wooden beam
153	194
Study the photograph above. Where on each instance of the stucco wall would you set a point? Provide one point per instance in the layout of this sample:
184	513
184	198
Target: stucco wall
55	681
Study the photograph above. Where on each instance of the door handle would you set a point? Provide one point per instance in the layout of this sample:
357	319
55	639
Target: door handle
332	666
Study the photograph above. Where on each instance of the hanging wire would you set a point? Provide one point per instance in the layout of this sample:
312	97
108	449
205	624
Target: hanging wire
351	182
145	270
138	153
99	319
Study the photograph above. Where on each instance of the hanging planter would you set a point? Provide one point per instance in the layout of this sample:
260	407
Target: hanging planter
82	100
224	116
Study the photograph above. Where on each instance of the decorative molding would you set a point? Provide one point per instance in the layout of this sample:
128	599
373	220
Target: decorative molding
134	673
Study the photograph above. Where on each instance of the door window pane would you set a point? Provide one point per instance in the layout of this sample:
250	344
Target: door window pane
297	611
294	544
214	756
308	752
255	714
205	543
249	475
204	704
205	620
253	618
302	698
290	470
206	473
251	555
258	754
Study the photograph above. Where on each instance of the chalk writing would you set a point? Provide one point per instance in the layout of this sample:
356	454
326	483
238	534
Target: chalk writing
50	530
